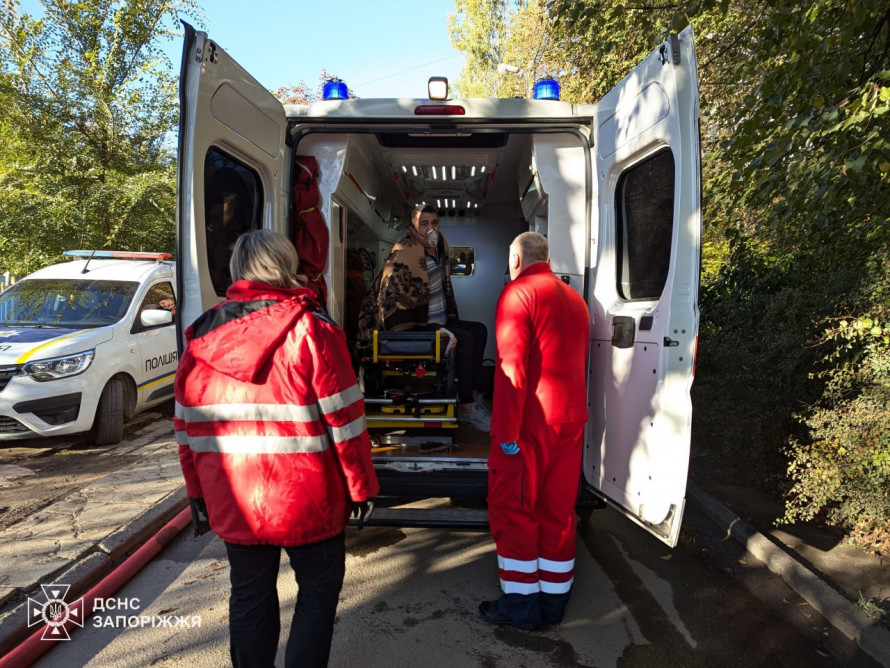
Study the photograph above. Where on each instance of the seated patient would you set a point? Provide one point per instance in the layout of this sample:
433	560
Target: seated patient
413	293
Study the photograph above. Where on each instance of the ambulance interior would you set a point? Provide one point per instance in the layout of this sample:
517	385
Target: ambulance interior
487	187
488	184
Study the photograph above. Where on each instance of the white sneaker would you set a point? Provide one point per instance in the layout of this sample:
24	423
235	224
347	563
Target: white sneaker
480	402
477	418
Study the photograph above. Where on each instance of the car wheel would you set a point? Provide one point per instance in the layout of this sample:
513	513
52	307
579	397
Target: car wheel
108	426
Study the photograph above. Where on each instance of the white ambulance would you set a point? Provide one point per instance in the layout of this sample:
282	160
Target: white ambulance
614	186
85	344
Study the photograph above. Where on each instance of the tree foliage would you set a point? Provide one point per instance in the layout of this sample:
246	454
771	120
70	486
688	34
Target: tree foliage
86	158
796	163
479	29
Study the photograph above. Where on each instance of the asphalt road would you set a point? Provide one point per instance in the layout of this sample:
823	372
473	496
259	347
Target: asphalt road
411	595
35	472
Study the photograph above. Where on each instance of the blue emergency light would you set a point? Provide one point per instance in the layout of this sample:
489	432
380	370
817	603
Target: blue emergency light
546	89
335	90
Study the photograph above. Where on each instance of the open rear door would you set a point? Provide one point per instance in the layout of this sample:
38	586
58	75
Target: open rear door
231	169
644	290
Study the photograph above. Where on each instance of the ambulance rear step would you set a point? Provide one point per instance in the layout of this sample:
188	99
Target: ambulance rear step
428	517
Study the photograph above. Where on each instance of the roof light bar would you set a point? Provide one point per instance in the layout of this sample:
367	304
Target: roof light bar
118	255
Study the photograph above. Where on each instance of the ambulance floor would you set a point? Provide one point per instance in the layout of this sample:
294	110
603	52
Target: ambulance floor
466	442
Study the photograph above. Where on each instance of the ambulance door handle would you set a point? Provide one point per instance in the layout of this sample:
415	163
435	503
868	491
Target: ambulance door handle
670	343
623	331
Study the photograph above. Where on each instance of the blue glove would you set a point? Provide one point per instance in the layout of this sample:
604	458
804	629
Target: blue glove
510	448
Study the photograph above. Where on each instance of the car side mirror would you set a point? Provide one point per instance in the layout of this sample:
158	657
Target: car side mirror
152	317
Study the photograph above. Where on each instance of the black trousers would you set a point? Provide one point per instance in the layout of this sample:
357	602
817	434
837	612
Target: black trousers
471	339
253	606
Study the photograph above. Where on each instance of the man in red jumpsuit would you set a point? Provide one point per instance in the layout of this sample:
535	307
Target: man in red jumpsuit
537	427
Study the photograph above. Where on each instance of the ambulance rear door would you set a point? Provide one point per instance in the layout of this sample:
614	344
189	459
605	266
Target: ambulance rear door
643	288
231	169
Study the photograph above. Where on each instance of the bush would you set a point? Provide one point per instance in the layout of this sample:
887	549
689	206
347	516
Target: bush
753	365
842	471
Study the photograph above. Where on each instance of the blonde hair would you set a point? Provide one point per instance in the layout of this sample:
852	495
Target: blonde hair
265	256
532	247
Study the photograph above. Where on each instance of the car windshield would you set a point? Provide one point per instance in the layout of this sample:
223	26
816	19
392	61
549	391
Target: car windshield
58	302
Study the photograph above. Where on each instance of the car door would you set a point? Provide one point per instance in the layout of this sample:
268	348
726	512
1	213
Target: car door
157	343
643	291
231	169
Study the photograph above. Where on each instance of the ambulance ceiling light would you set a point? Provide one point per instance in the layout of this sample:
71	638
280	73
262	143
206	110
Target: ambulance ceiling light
546	89
441	172
334	89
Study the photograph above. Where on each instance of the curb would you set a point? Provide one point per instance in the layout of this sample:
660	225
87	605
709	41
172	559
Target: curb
871	638
90	568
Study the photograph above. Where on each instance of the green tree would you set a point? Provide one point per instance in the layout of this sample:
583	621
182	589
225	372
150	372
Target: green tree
794	102
479	29
87	158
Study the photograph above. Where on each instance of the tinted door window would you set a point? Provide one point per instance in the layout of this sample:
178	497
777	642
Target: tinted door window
233	203
645	219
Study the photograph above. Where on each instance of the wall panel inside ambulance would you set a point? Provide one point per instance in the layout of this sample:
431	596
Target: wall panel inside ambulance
495	169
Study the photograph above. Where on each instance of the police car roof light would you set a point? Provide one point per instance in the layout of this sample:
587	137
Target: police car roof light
117	255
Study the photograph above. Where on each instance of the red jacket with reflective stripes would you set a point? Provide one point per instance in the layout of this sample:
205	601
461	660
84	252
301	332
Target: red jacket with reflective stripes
269	419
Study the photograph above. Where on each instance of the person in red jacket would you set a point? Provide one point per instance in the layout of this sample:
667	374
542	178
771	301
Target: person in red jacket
274	448
538	417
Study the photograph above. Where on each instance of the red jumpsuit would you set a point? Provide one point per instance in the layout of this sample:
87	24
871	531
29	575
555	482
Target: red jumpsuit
540	402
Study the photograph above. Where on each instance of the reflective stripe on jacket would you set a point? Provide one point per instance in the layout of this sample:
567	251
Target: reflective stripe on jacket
269	419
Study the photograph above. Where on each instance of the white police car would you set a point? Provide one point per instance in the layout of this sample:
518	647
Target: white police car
85	344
